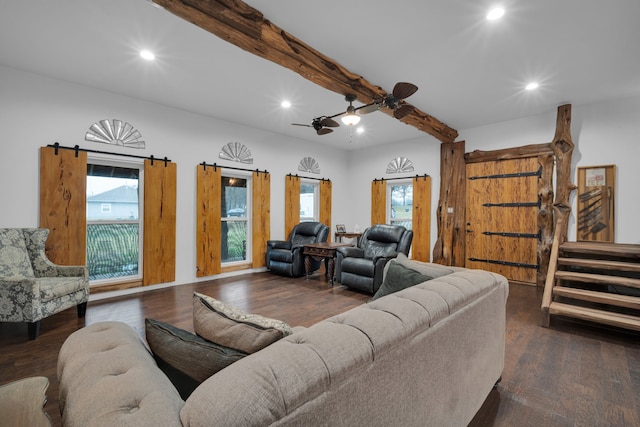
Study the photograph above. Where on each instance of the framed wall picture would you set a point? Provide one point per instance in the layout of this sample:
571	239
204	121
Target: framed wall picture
596	203
340	228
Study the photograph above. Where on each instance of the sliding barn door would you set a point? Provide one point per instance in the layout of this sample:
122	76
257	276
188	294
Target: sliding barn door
260	217
502	210
291	203
63	204
208	221
159	240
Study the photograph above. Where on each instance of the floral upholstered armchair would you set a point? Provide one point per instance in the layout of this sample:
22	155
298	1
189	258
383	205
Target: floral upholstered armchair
31	286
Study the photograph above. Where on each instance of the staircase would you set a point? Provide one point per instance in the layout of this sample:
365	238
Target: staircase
594	281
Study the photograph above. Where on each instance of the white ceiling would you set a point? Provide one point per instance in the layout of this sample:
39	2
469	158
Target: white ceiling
470	71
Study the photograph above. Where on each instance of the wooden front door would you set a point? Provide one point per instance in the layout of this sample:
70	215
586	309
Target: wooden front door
501	216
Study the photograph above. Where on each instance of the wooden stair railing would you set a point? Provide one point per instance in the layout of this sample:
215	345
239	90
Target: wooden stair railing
594	281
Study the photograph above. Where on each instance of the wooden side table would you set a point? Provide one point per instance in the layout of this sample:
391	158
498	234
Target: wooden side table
340	236
22	402
326	251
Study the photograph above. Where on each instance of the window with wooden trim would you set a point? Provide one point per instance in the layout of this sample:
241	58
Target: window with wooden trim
63	210
235	206
400	203
114	225
309	201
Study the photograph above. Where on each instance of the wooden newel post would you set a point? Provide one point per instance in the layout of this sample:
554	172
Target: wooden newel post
562	146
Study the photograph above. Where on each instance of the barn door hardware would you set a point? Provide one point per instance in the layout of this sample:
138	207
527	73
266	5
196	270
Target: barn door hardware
537	173
507	263
508	234
513	204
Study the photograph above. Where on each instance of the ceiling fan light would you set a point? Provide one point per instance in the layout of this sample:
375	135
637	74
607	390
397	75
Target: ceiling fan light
495	14
147	54
350	119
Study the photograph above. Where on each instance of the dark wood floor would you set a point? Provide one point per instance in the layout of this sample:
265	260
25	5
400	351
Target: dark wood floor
571	374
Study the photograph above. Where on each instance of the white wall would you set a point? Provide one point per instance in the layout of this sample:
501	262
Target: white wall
36	111
370	163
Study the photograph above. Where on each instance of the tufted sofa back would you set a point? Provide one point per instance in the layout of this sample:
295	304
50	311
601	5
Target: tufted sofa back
427	355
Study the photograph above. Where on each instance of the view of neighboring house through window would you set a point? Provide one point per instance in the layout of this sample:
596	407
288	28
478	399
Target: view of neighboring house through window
234	218
113	222
401	206
309	201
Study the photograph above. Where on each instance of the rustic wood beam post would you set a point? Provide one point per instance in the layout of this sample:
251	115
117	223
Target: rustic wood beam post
545	217
450	244
562	146
238	23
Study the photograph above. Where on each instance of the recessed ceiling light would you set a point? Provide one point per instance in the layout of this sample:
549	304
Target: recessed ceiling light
495	13
531	86
148	55
360	130
285	104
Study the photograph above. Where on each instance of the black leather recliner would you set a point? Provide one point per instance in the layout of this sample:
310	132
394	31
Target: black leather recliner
361	267
285	257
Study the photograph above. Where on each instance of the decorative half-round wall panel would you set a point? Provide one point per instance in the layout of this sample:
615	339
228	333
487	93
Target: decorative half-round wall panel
236	152
400	165
115	132
309	164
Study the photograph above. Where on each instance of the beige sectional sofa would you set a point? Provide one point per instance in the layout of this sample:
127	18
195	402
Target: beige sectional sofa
427	355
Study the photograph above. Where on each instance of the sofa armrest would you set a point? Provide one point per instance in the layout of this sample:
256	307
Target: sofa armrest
107	376
385	258
351	251
55	270
278	244
20	286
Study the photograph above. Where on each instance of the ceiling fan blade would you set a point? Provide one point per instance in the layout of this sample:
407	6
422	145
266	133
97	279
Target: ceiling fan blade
369	108
404	90
402	111
329	122
300	124
324	131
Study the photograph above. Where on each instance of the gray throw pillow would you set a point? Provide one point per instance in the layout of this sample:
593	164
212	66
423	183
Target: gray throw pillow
229	326
186	358
397	278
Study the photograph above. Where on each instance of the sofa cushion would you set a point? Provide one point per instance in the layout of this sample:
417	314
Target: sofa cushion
58	287
397	278
228	326
14	258
108	377
186	358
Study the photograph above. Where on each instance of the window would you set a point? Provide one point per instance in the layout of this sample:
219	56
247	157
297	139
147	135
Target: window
309	201
401	207
234	218
113	222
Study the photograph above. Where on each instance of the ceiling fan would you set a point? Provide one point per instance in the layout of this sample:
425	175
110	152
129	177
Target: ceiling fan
321	124
394	101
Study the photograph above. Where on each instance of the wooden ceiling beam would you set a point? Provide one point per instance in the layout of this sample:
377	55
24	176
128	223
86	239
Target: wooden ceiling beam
242	25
